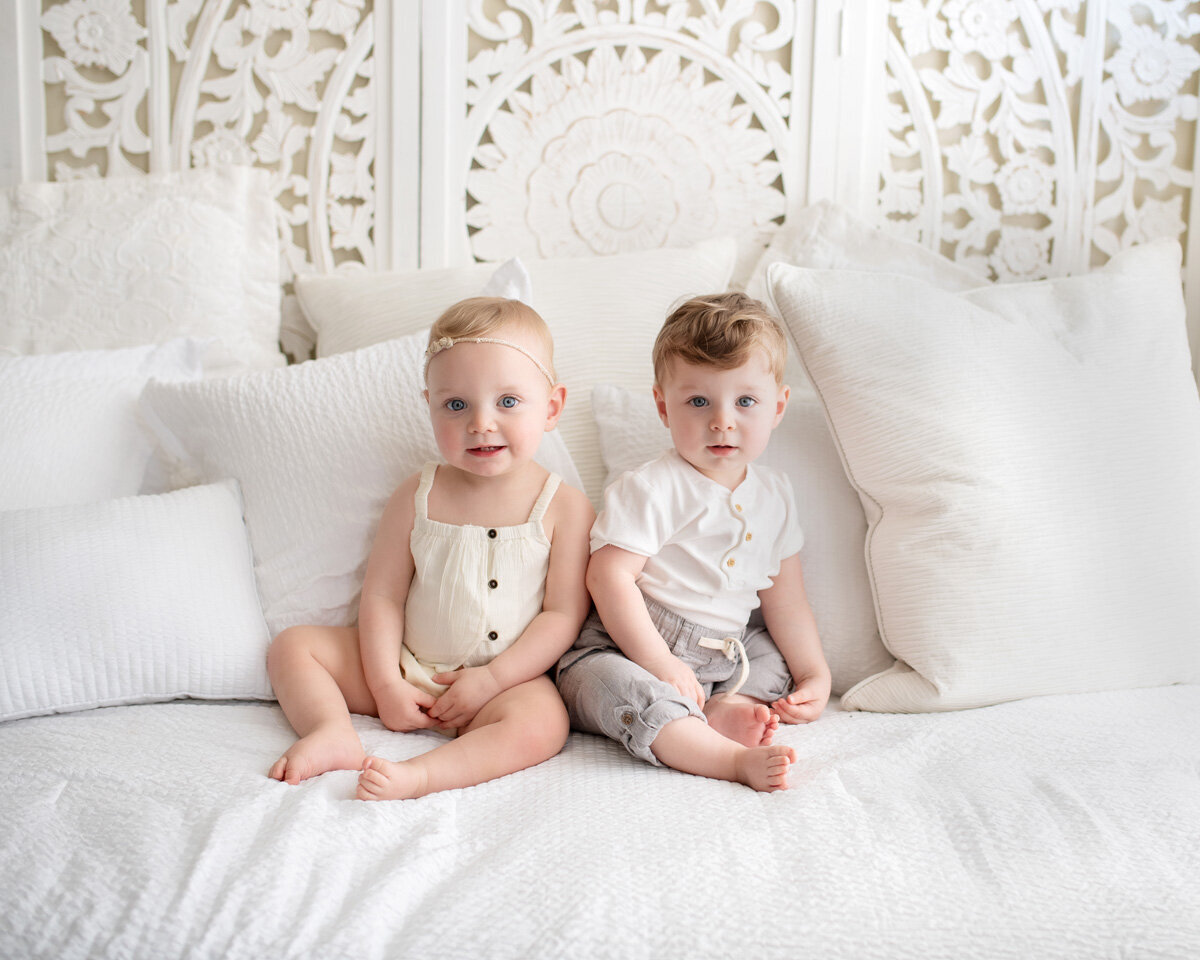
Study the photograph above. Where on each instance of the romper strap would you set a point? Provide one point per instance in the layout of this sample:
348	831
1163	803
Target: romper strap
421	499
543	501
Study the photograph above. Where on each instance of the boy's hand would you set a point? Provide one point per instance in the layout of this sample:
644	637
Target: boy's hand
403	707
805	703
470	689
678	674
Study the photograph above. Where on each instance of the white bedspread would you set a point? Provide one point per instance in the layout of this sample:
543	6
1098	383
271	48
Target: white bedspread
1061	827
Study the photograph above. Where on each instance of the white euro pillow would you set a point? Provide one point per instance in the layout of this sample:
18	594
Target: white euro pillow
70	431
604	313
317	448
1028	458
131	600
835	574
122	261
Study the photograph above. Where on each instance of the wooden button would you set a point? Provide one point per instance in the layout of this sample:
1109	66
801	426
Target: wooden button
730	562
749	536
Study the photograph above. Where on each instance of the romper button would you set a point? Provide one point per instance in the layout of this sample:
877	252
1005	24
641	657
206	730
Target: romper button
493	584
627	718
493	635
492	534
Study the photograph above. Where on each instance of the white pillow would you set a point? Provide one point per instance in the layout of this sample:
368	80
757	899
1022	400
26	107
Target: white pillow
604	313
830	237
129	601
835	573
70	430
121	261
317	447
1028	457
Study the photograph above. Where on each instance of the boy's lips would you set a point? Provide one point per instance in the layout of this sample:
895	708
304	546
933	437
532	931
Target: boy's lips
721	449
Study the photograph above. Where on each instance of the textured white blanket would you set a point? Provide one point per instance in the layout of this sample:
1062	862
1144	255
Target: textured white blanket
1060	827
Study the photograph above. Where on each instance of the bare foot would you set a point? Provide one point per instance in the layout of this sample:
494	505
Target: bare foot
766	768
321	751
384	780
743	721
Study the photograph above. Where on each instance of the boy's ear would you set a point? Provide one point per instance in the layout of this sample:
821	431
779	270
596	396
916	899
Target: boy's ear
660	402
781	402
554	409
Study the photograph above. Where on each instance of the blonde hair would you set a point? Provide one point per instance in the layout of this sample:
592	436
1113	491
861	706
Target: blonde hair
719	330
483	316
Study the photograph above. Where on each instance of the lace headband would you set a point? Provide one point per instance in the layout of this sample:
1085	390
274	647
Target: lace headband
445	343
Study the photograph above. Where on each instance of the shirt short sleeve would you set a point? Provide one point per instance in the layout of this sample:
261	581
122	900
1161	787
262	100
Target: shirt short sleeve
631	518
791	536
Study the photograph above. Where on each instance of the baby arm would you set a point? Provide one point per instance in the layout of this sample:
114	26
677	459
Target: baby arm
400	705
548	636
612	579
789	619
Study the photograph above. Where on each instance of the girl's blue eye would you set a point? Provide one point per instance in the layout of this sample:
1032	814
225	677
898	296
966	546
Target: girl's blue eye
698	402
746	401
456	405
509	402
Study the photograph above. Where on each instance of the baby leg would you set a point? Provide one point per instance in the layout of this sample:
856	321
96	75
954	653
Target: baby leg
318	677
692	746
518	728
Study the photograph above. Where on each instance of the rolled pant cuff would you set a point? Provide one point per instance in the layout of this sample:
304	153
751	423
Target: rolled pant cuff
643	728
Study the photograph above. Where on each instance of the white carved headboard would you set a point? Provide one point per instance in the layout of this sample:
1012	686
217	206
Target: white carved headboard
1022	138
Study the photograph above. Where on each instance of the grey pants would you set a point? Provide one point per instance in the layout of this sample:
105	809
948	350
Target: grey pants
606	692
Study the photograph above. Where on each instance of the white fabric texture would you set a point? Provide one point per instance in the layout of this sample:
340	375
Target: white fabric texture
318	448
121	261
1062	828
128	601
474	589
835	571
829	237
708	550
1028	457
604	313
70	431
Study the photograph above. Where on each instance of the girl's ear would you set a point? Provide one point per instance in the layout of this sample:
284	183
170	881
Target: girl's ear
554	408
425	394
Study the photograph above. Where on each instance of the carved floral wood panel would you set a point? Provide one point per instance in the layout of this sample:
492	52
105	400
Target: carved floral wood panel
1039	137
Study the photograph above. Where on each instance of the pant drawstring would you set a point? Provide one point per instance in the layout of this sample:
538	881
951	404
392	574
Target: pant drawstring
733	649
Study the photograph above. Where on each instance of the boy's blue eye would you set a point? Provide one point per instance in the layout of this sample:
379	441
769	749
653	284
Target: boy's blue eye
698	402
509	402
456	405
746	401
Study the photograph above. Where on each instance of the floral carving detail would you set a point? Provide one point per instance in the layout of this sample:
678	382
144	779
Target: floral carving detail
623	153
95	32
1026	185
981	25
1149	66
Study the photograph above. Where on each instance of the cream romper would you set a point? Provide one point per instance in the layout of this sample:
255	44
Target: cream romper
474	590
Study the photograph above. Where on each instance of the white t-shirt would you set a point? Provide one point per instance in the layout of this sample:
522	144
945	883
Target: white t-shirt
709	550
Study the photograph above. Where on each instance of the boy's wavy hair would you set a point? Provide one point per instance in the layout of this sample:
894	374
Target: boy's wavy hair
719	330
483	316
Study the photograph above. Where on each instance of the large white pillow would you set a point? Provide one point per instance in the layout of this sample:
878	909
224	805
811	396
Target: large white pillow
1028	457
317	447
129	601
604	313
835	574
122	261
830	237
70	430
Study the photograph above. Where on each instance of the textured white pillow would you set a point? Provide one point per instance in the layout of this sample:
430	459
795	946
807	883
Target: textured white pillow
830	237
604	313
70	430
121	261
835	574
129	601
317	447
1028	457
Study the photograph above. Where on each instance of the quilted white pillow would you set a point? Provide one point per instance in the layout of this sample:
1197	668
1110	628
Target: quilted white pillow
317	447
129	601
121	261
835	574
604	313
70	430
1028	457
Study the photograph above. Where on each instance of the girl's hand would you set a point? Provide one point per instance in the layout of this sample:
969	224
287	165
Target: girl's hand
678	674
403	707
805	703
470	689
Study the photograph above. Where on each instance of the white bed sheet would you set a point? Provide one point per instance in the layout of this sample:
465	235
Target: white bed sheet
1060	827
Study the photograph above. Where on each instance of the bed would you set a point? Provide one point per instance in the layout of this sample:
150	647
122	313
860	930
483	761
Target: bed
228	226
